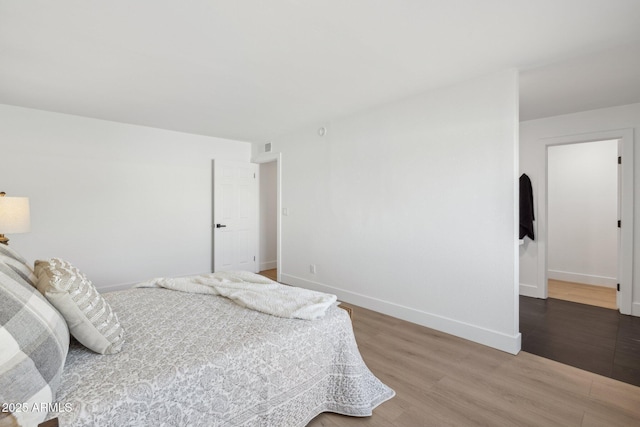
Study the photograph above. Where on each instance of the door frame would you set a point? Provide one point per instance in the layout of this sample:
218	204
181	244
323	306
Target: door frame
625	255
268	158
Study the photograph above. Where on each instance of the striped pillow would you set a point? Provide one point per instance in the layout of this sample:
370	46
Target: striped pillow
34	341
89	317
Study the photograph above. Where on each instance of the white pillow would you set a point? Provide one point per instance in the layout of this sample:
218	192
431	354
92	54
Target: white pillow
89	317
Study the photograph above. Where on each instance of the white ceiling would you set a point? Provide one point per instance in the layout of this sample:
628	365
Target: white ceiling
253	69
597	80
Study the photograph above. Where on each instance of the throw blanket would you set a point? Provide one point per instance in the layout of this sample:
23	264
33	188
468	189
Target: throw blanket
252	291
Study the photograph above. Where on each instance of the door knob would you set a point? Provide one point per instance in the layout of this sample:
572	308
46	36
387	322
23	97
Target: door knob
220	225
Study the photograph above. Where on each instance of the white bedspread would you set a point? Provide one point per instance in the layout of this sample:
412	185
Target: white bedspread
252	291
194	360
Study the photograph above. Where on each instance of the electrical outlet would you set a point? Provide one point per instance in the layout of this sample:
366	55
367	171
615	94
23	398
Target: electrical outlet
312	269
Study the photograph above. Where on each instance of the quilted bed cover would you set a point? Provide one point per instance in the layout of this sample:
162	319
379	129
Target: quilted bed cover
202	360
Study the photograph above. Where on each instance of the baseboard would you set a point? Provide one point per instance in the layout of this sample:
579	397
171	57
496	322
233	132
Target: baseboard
268	265
529	291
113	288
587	279
635	309
491	338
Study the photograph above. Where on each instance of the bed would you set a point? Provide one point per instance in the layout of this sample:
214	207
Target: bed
198	360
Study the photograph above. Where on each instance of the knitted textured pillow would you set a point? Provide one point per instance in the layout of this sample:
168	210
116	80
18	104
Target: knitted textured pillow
89	317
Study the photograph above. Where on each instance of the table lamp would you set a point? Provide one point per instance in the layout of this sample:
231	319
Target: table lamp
14	216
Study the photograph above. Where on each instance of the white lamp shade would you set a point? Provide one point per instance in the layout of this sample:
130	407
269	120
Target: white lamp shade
14	215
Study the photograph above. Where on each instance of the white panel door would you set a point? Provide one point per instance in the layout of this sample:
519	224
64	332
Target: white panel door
235	216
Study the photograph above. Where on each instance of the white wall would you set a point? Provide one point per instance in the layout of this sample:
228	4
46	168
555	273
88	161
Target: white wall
582	212
534	136
123	203
268	216
409	209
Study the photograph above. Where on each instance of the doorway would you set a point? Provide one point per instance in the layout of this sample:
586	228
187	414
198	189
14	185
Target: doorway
588	337
582	213
270	215
625	232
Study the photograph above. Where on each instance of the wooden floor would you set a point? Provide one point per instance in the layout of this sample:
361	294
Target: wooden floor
271	274
599	296
593	338
441	380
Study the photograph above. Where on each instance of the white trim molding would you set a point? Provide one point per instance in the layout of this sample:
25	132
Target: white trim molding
527	290
507	343
268	265
587	279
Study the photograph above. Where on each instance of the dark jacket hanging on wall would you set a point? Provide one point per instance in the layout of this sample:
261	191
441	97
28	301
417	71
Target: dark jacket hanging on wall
526	207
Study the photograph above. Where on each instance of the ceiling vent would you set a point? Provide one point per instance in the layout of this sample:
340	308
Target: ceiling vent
267	147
